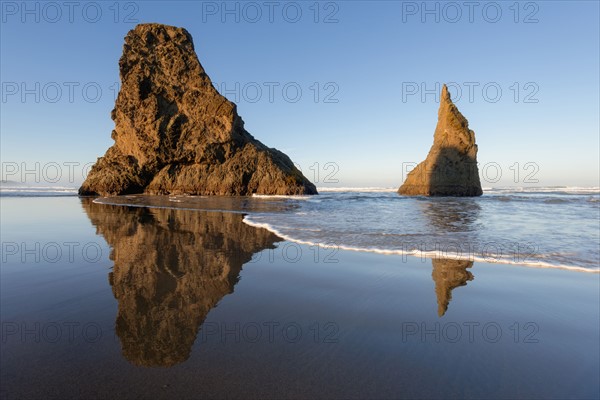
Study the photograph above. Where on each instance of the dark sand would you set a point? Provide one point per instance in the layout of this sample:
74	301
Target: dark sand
166	316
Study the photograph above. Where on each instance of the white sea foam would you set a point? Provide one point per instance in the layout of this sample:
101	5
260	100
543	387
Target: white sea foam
38	188
36	191
383	223
543	189
417	253
325	189
280	196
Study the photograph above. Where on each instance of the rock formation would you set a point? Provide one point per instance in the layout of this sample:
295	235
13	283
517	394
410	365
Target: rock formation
447	275
174	133
450	168
171	267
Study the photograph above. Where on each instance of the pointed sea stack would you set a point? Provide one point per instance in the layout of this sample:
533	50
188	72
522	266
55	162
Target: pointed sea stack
450	168
174	133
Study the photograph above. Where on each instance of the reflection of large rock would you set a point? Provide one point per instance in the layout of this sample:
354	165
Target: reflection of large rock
450	168
447	275
174	133
459	216
171	267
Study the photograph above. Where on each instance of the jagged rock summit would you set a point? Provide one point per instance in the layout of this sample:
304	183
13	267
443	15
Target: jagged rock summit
174	133
450	168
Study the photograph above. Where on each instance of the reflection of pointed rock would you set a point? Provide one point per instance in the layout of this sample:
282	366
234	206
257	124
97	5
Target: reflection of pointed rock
171	268
450	168
447	275
174	133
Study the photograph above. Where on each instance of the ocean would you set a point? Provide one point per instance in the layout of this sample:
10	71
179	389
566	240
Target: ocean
552	227
544	227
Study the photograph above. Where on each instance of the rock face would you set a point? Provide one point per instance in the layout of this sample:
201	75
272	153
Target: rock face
171	267
450	168
174	133
448	275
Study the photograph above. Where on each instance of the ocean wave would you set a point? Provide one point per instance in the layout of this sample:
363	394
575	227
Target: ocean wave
494	259
381	222
499	189
541	197
281	196
558	190
37	191
37	188
326	189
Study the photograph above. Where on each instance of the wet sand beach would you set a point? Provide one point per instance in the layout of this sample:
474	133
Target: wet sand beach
104	301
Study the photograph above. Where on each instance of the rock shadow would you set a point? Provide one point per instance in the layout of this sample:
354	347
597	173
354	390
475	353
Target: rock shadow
448	171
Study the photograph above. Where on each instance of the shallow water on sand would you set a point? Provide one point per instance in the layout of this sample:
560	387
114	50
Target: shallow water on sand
542	228
111	301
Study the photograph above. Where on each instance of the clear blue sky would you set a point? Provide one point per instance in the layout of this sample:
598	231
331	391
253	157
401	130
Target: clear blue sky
368	57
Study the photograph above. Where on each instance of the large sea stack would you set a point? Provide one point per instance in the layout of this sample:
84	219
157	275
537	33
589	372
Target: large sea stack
450	168
174	133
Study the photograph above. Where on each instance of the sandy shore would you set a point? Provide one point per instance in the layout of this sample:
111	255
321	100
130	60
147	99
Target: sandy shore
174	320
